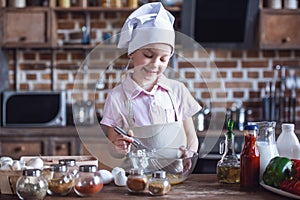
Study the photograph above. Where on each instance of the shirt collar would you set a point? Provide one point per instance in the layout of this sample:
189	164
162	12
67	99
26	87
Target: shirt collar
132	89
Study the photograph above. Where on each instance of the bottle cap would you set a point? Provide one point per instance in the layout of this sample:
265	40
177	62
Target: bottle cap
159	174
288	126
251	127
32	172
68	162
87	168
136	171
58	168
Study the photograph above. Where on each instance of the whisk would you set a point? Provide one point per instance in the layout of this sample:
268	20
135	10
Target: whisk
155	158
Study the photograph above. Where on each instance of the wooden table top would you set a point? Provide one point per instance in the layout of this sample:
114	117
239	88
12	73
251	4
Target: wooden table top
197	186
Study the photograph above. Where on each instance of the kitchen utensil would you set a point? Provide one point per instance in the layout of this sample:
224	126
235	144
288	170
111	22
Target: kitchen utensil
162	159
178	164
136	142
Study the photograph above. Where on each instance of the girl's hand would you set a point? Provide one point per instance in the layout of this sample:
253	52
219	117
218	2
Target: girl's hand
186	157
123	143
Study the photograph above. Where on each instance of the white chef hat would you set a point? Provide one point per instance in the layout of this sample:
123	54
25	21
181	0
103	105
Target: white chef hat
150	23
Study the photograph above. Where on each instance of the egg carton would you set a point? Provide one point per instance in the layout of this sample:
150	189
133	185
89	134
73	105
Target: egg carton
48	160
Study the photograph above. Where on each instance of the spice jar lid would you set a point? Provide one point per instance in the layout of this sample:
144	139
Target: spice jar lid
32	172
68	162
87	168
159	174
136	171
58	168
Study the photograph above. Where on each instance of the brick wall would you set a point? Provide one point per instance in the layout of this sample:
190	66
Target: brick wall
222	76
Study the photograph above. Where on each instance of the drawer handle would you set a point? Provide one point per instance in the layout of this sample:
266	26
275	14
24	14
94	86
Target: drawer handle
286	40
61	147
19	149
22	39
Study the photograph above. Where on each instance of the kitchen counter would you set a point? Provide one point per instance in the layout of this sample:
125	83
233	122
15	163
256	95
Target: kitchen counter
197	186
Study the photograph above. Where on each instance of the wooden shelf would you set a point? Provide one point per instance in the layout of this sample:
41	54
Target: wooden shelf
104	9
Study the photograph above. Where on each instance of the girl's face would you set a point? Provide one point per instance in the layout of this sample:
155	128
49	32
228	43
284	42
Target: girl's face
149	62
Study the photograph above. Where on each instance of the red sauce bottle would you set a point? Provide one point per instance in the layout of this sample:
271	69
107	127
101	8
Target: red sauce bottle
250	159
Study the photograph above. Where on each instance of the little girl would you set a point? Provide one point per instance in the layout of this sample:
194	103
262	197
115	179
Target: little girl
147	104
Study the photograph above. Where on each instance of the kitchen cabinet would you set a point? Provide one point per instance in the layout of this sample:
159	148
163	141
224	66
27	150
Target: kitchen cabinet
54	141
279	29
28	27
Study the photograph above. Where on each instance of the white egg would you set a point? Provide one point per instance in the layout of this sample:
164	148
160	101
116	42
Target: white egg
17	165
6	160
106	176
6	167
35	163
120	179
116	170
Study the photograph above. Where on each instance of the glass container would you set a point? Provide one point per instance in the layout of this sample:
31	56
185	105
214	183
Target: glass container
228	168
32	185
266	143
250	159
137	181
159	184
60	182
71	164
88	181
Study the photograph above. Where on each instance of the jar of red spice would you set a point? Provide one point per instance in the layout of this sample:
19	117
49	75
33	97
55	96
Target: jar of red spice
88	181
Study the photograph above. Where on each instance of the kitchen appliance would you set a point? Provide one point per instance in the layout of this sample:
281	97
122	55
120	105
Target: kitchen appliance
33	108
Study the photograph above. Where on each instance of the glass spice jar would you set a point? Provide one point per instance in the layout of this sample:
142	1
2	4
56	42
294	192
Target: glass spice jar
159	184
137	181
32	185
88	181
60	181
71	163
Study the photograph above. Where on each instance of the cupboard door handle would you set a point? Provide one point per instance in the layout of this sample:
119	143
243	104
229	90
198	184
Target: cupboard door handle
285	40
22	39
19	149
61	147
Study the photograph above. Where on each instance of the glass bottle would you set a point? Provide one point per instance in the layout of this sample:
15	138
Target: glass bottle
250	159
266	143
159	184
32	185
60	181
137	181
228	168
288	143
88	181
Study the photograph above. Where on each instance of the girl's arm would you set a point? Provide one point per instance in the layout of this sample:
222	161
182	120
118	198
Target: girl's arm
192	138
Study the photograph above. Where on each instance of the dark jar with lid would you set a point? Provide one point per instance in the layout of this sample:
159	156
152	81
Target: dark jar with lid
60	181
32	185
250	159
88	181
159	184
228	168
137	181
